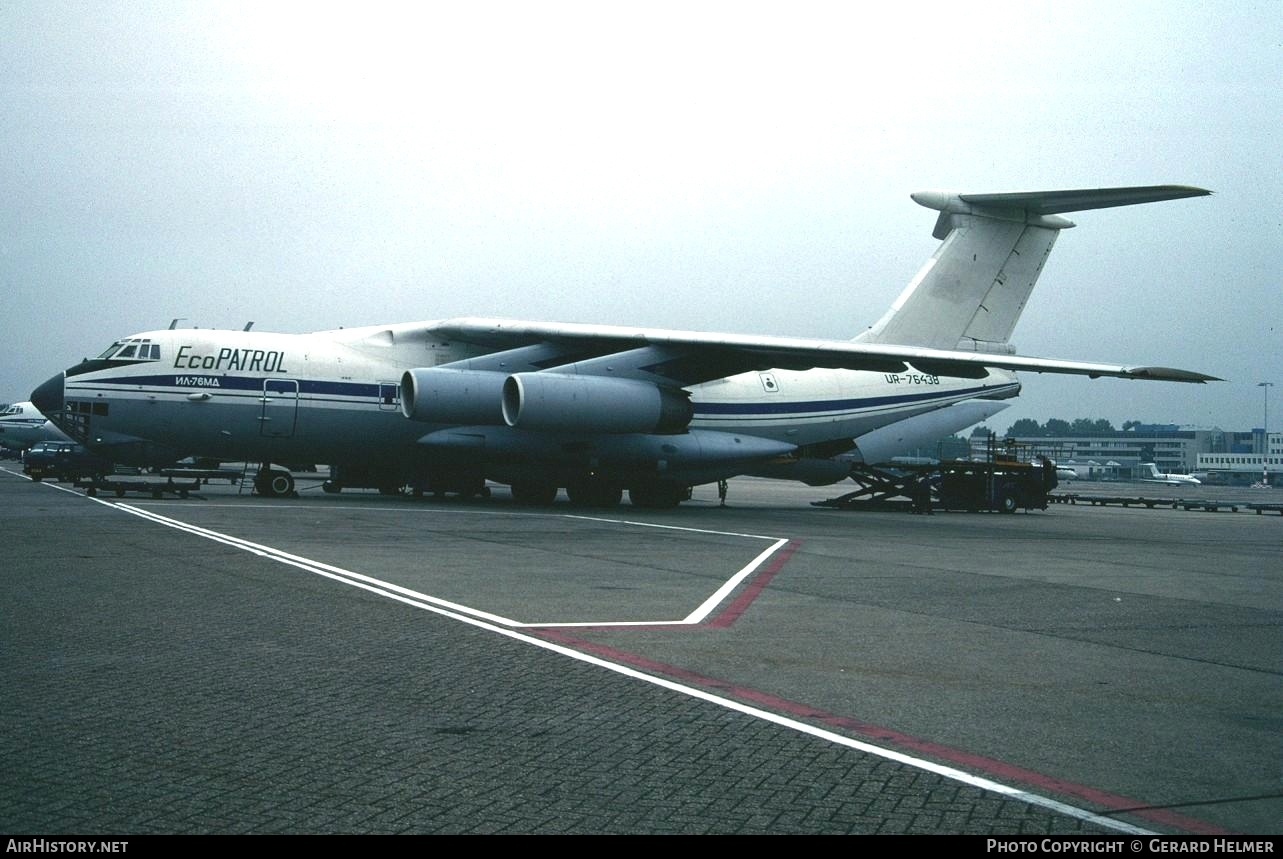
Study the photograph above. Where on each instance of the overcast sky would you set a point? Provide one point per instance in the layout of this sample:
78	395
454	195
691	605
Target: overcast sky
722	166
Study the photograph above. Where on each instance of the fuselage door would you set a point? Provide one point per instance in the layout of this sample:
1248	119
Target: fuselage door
389	396
280	408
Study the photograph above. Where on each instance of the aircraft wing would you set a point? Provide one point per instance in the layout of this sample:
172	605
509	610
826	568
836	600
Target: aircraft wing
690	357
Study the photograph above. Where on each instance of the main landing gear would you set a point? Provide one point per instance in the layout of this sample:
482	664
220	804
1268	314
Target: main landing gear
658	496
534	492
594	491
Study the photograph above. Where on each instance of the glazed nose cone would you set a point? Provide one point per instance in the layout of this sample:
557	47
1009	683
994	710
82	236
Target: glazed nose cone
48	397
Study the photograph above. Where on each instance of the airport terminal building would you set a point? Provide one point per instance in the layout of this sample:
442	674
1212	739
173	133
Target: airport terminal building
1223	456
1239	466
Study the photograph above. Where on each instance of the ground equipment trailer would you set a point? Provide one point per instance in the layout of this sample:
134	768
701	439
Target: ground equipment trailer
1002	483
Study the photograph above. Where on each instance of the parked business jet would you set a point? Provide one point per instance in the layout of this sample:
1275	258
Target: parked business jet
1171	479
594	409
22	425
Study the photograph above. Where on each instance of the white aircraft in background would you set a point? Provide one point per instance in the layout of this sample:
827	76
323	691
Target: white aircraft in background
596	409
1156	476
22	425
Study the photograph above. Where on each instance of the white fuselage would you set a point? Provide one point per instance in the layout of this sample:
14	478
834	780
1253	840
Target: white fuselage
334	397
22	425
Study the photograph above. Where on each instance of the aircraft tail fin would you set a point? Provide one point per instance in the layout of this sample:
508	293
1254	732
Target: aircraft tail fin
970	294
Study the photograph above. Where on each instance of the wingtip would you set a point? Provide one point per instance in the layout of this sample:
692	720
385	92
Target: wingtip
1170	374
1192	190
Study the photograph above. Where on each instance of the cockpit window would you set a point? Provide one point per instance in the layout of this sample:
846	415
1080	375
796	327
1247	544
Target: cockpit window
134	349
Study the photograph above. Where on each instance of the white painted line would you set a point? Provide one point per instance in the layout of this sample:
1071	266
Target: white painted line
695	617
698	615
668	527
732	583
439	607
600	623
313	566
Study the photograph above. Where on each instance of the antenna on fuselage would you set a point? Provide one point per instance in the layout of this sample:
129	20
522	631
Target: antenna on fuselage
174	324
248	326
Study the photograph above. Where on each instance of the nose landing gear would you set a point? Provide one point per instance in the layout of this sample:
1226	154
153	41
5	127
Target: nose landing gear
274	482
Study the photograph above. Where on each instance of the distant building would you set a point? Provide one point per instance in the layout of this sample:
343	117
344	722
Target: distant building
1246	461
1117	455
1215	455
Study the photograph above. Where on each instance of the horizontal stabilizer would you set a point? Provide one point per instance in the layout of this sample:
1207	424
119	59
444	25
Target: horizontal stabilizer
1054	202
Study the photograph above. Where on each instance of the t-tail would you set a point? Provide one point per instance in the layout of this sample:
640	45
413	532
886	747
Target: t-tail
970	294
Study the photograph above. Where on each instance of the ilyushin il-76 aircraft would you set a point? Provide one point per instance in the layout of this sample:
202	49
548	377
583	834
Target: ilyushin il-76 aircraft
22	425
596	409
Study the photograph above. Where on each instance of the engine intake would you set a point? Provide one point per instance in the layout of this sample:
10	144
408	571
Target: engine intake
558	401
437	395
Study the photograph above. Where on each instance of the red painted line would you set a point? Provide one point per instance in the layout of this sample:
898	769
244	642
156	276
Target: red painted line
866	730
756	585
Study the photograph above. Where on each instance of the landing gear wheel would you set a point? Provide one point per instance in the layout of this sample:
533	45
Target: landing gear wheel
533	492
658	496
274	484
282	483
594	492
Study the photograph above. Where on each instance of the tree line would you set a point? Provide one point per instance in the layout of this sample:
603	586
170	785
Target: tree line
1030	428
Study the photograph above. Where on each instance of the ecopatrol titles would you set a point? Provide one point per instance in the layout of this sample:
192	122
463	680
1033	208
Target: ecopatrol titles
248	360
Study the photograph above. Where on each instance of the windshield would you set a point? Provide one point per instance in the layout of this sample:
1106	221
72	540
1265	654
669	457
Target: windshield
133	349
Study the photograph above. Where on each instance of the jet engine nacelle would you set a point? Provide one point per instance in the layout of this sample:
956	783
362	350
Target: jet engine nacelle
562	402
438	395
